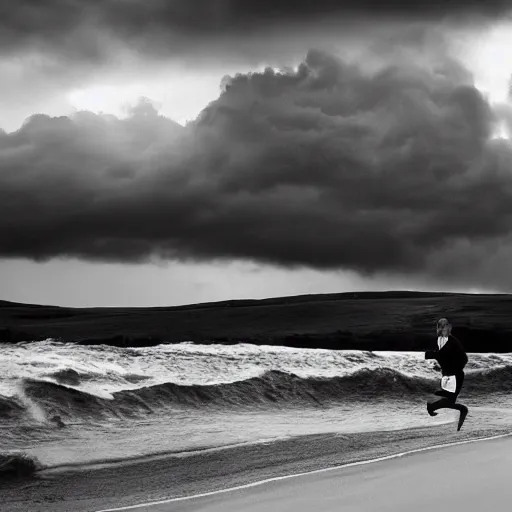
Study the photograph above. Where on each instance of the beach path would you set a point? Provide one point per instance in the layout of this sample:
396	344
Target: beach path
468	477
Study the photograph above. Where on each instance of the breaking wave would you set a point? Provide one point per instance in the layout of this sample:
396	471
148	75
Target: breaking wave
273	389
10	407
18	465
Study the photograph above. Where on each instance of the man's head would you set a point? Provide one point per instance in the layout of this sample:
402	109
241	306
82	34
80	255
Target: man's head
444	327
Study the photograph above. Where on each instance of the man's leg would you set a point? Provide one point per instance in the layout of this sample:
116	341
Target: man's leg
442	403
449	402
460	407
463	413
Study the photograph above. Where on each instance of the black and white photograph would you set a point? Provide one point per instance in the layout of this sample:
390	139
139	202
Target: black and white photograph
255	255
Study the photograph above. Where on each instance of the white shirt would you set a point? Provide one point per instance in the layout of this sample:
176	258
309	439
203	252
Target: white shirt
441	341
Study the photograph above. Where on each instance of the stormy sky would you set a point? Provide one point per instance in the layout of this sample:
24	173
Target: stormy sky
163	152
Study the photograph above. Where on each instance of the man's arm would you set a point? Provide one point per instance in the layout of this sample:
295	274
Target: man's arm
434	354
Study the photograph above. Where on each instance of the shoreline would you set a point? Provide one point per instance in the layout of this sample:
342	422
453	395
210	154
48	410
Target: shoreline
312	472
129	485
392	485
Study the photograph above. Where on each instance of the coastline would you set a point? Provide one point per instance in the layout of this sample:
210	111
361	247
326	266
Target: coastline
418	481
128	484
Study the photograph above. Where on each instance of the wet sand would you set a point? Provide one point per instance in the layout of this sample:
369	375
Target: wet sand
469	477
119	485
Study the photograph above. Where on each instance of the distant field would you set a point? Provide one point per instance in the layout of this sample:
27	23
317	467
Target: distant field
366	321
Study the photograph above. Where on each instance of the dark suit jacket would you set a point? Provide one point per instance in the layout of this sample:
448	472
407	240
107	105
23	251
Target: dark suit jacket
452	358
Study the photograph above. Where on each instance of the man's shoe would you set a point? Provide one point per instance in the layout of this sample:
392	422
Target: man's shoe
462	417
430	411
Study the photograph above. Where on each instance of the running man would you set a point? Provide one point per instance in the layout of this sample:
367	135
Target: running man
452	359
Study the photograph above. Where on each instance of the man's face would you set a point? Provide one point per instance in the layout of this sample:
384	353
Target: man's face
443	327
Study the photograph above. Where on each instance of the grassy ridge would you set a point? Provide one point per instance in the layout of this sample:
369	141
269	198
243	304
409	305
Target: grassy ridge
363	320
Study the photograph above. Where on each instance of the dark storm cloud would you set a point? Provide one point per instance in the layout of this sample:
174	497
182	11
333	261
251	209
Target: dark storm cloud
328	166
85	28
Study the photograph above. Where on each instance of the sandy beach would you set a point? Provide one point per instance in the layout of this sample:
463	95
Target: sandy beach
467	477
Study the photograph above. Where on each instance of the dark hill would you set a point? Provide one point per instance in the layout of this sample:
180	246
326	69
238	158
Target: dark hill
398	320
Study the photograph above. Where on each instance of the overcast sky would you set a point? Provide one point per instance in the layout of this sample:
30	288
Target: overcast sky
166	152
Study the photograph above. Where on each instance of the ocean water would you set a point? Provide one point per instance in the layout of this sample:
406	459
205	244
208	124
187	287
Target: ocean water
124	403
